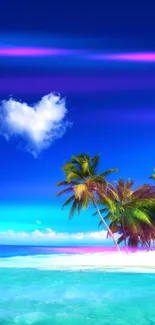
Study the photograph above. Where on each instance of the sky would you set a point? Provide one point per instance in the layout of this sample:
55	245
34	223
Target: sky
67	88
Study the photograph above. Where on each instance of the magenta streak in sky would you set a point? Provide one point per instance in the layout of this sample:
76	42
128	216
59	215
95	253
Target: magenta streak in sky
137	57
28	51
34	52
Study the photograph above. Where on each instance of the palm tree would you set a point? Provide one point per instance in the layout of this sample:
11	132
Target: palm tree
86	186
120	194
131	215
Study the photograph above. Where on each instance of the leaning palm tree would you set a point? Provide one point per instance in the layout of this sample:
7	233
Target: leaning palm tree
131	212
86	186
119	194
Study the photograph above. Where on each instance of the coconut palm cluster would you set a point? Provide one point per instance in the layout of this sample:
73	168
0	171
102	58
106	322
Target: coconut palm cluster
124	210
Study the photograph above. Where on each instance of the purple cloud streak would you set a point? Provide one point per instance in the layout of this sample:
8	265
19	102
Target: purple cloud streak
73	84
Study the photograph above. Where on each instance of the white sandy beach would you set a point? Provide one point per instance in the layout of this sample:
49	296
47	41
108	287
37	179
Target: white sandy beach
137	262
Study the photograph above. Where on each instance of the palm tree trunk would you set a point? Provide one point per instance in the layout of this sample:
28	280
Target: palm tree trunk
105	224
150	242
124	235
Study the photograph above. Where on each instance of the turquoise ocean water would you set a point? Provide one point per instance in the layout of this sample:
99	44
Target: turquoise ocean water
33	293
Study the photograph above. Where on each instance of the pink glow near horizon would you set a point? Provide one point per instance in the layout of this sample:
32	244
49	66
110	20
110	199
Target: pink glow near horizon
91	249
137	57
33	52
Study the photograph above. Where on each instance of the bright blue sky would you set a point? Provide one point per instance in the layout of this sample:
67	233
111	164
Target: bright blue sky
111	107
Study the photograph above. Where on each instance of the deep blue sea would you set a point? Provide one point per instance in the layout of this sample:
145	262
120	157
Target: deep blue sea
40	285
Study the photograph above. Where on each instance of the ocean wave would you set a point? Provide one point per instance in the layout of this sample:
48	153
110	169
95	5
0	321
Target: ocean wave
137	262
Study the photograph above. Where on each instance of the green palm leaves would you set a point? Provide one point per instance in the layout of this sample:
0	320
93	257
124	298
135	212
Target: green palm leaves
129	213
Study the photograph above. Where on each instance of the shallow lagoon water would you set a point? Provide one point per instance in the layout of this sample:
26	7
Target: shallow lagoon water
33	293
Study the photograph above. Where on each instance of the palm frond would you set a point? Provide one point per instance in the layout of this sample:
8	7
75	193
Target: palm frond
82	155
121	182
106	201
129	183
143	191
112	193
80	205
72	172
100	223
132	225
101	211
142	216
114	227
86	201
153	175
120	188
99	180
85	167
73	209
94	162
69	166
66	183
120	239
108	217
66	190
67	202
80	158
108	172
73	176
141	203
124	190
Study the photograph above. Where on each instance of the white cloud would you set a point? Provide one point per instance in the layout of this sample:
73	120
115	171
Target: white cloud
79	236
36	233
37	125
98	235
49	235
38	222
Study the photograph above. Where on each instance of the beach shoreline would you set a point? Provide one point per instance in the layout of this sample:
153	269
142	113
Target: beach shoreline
142	261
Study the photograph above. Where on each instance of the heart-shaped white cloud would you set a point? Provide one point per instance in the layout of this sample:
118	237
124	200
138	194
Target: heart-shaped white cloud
38	125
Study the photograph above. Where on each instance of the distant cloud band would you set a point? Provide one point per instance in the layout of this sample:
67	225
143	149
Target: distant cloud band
49	235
